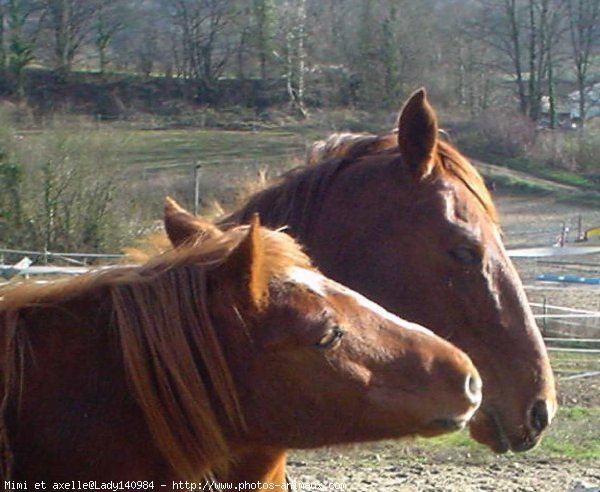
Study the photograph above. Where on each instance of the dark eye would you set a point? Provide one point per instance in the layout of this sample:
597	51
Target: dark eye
466	255
331	339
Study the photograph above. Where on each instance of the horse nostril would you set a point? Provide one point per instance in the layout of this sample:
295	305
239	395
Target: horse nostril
473	388
538	416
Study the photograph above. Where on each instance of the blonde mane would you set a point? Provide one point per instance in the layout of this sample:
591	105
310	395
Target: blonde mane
178	375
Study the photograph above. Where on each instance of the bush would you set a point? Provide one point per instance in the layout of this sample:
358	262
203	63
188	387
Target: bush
508	134
60	189
557	149
588	152
571	150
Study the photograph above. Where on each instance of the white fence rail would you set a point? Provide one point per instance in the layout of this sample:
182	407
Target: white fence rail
76	258
581	346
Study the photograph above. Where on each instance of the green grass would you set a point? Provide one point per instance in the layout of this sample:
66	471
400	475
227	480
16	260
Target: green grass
574	434
181	146
539	170
585	194
146	149
573	362
164	147
589	199
517	184
149	148
561	176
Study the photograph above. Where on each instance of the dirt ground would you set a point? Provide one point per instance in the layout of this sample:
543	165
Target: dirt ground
405	467
360	471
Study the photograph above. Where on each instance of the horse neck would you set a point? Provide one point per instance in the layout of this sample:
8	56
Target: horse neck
54	340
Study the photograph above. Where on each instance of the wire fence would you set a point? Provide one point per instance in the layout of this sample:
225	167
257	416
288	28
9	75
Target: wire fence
572	335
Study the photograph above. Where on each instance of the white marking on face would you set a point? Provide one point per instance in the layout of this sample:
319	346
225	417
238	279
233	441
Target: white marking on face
450	207
309	278
321	285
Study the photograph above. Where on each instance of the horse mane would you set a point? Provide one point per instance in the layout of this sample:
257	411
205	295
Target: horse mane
179	376
347	145
296	198
453	163
293	201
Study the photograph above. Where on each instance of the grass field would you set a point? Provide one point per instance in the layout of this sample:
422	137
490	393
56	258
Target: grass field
165	147
574	434
130	158
273	147
568	363
139	149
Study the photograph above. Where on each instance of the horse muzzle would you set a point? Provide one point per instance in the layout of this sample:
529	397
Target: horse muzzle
488	428
472	396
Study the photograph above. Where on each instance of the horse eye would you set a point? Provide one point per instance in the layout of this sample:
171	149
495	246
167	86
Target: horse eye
331	339
466	255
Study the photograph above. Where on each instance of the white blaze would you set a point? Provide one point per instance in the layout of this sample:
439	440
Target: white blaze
321	285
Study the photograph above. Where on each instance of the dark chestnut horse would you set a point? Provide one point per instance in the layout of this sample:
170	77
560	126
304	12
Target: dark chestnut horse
173	369
407	221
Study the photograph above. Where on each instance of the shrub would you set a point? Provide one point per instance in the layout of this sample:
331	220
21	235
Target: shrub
60	190
571	150
509	134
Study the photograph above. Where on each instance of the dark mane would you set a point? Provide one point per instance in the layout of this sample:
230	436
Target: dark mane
296	198
150	304
293	200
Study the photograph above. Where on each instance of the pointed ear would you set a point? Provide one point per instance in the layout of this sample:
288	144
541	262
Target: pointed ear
417	133
182	226
246	264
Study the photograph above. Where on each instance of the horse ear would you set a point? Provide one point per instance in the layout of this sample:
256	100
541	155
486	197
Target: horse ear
247	261
182	226
417	133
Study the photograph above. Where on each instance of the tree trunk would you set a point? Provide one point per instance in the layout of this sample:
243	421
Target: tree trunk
532	107
301	58
551	101
61	18
516	43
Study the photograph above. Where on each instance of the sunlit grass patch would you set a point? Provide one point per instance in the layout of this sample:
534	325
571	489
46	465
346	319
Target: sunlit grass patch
574	433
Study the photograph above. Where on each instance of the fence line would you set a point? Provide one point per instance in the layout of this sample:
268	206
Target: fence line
582	375
565	316
572	340
563	308
50	254
551	342
573	350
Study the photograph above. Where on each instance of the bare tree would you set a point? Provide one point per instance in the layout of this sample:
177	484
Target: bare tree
294	32
21	42
526	34
70	23
584	29
264	32
201	27
107	23
3	54
544	33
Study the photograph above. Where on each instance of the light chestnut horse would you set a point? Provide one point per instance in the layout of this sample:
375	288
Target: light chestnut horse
175	369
